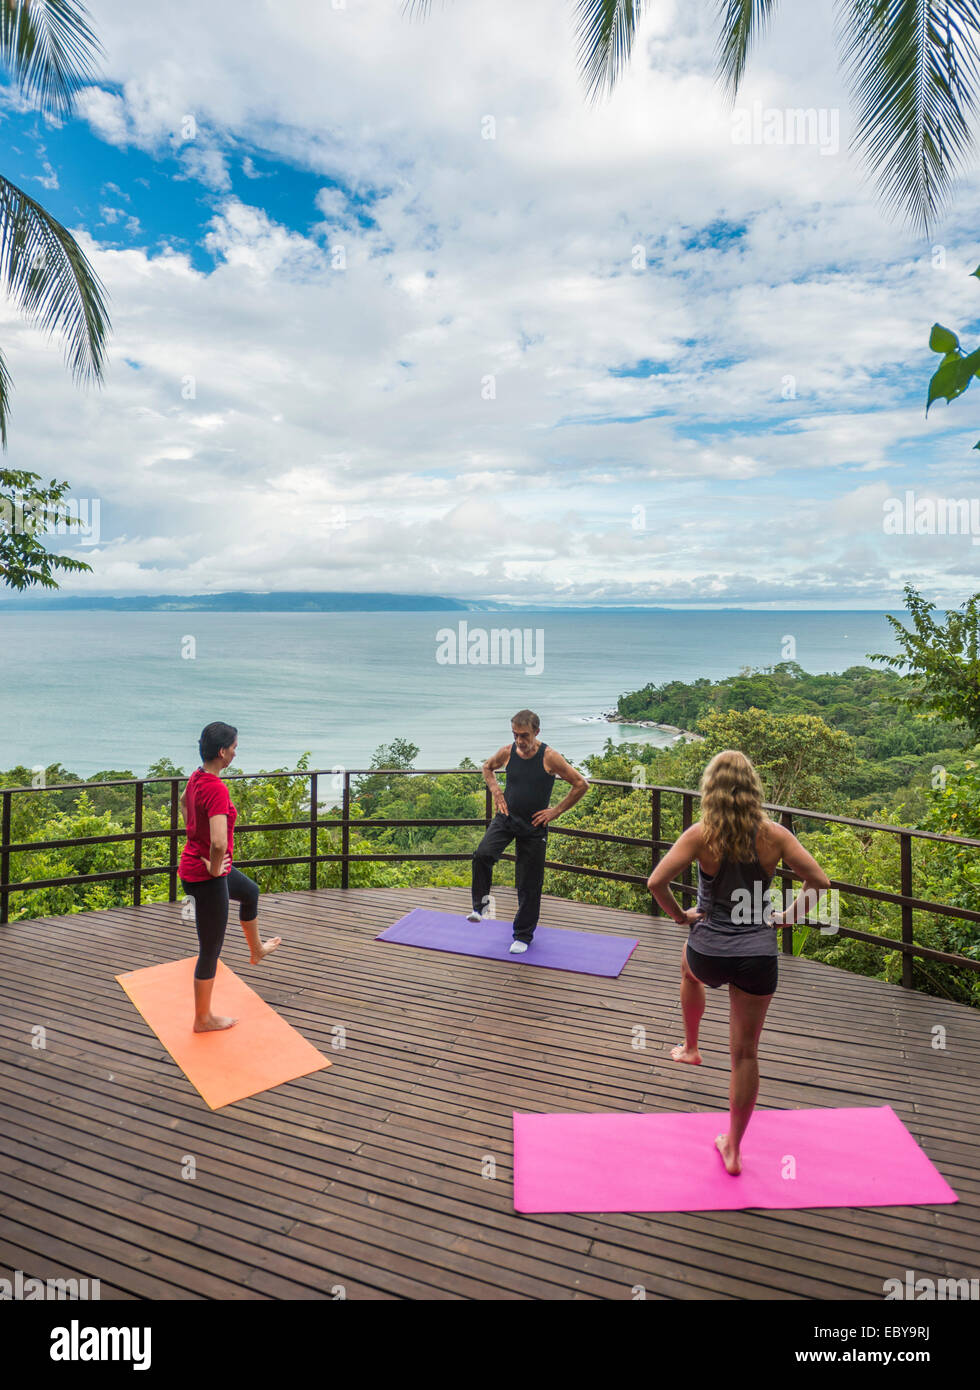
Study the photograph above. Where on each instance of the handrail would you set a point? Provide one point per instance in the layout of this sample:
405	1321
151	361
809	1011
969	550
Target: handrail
803	811
314	823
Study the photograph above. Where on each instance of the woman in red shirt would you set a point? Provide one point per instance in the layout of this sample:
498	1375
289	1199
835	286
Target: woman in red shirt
206	872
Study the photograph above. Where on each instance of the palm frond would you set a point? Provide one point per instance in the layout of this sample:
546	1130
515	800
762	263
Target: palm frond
741	22
606	29
914	68
49	47
6	386
605	32
46	272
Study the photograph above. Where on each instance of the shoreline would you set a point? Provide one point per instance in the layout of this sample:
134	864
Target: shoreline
686	735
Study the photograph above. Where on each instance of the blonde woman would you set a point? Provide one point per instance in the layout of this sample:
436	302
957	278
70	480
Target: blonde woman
732	938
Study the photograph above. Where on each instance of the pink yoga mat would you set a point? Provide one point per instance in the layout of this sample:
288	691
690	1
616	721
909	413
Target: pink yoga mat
790	1158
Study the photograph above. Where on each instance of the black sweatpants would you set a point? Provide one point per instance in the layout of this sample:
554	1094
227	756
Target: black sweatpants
211	899
531	853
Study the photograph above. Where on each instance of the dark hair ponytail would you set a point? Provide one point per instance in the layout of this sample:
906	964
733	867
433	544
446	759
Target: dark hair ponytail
214	738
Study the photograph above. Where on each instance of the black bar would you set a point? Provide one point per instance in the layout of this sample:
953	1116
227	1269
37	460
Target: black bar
786	935
800	811
554	829
907	963
345	836
137	843
313	844
687	819
655	838
892	943
369	822
174	833
4	858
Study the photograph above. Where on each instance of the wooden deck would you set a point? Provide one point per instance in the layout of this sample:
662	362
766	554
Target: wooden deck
368	1174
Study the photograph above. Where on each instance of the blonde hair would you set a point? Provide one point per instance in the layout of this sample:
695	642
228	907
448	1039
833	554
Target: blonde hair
731	806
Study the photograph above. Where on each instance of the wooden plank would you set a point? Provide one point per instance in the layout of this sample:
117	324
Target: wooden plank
380	1170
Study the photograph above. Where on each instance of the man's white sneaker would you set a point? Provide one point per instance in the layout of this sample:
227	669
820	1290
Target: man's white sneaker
474	916
518	948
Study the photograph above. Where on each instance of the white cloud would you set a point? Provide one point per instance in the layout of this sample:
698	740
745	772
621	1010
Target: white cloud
279	387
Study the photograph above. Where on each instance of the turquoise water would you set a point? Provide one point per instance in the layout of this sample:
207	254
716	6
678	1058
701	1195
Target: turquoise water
96	690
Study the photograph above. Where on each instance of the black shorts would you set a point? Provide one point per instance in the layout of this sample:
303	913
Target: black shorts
753	974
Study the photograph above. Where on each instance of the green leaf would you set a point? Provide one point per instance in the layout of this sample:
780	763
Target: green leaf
942	340
948	382
976	272
800	935
953	376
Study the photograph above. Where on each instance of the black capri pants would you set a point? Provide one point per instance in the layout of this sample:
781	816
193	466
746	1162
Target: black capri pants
211	900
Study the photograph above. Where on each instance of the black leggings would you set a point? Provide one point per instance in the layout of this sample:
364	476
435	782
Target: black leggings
211	914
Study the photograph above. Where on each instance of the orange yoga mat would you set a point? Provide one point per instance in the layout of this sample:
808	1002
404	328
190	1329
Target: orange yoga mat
260	1051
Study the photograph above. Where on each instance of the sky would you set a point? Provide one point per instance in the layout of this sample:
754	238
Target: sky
396	308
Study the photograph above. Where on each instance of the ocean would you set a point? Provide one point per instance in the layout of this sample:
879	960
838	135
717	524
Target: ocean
97	690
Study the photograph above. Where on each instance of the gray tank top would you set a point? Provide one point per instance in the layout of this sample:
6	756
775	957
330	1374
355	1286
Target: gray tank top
733	901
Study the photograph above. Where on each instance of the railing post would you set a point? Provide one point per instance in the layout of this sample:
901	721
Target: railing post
786	935
4	857
345	836
137	843
655	837
313	794
905	843
174	832
687	820
655	826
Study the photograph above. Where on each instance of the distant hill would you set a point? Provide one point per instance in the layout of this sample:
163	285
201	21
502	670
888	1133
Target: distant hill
240	602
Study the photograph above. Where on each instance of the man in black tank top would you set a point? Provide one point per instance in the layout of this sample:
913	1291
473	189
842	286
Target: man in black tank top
523	814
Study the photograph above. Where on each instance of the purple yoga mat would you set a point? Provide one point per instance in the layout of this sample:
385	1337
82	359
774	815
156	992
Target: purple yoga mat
790	1158
582	951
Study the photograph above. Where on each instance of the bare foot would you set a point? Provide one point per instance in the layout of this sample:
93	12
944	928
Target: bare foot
682	1053
731	1158
267	946
212	1023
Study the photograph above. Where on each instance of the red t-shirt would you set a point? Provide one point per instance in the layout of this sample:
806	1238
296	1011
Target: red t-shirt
207	796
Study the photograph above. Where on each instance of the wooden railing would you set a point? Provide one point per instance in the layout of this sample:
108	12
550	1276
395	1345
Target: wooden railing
904	898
